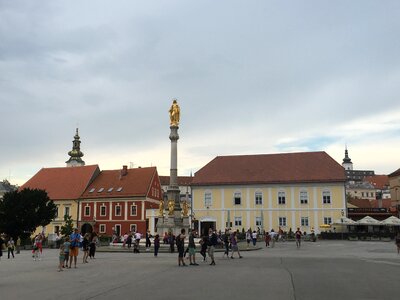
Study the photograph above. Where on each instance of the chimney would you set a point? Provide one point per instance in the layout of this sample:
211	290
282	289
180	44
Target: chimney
124	170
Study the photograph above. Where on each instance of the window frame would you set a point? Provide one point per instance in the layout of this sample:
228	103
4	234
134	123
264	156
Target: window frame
304	221
326	199
238	221
281	199
237	196
120	210
303	197
105	211
282	221
131	214
102	226
207	200
258	198
86	209
327	220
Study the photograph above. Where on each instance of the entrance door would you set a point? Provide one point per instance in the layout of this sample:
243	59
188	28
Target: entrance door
118	230
205	226
86	228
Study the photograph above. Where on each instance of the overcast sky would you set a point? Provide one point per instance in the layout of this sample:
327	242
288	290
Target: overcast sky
250	77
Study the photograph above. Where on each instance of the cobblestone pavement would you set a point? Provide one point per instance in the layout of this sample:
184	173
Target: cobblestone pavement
321	270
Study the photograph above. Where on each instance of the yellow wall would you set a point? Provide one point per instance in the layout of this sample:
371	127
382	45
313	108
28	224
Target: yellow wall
270	211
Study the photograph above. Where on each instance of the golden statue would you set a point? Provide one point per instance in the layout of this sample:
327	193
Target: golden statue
171	204
161	209
174	113
185	209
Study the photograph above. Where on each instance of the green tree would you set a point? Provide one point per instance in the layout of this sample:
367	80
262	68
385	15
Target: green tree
21	212
68	227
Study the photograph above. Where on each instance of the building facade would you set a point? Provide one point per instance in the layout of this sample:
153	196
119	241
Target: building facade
121	201
266	192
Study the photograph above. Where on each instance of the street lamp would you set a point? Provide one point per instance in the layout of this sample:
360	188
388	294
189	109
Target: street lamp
341	219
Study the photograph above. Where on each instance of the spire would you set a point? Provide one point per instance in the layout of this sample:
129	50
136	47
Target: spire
76	153
347	164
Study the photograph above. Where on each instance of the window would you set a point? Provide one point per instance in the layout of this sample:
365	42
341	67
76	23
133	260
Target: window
304	221
327	220
133	210
133	227
237	198
258	221
326	197
92	190
56	216
56	229
102	228
207	199
238	221
303	197
362	194
258	198
103	210
118	210
110	189
66	211
100	190
282	221
119	189
281	197
87	211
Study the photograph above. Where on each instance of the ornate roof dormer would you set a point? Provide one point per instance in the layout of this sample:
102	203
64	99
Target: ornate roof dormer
76	153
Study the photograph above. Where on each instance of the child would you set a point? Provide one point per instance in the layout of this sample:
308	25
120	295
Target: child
61	258
156	244
67	245
35	251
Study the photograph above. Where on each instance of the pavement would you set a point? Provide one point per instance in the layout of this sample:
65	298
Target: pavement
321	270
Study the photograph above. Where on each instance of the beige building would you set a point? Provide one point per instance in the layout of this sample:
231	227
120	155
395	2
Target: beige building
394	183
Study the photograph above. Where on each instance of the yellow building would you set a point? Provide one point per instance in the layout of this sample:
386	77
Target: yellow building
269	191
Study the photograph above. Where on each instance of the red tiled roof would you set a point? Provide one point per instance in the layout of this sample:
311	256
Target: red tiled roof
386	203
360	203
395	173
135	183
380	182
66	183
182	180
270	168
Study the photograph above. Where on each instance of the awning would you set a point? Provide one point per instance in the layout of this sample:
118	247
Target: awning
368	221
344	221
391	221
325	226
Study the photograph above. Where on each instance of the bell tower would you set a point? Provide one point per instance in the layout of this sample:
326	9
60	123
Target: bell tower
75	154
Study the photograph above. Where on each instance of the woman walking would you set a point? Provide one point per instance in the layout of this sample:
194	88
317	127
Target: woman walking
92	245
85	248
234	244
10	247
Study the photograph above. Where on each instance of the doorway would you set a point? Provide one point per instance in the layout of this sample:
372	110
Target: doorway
205	226
86	228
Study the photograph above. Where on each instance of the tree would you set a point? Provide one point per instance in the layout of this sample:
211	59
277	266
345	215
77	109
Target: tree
68	227
21	212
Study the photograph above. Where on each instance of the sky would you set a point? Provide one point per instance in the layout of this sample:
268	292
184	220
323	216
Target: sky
251	77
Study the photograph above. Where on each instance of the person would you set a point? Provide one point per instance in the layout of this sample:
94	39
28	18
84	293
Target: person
61	258
165	238
137	236
297	236
35	249
129	240
125	239
174	113
267	239
180	245
248	238
92	245
18	244
58	240
67	246
40	241
74	248
1	246
273	238
156	245
234	243
212	242
203	250
148	242
171	240
192	249
254	237
226	243
397	241
85	248
10	247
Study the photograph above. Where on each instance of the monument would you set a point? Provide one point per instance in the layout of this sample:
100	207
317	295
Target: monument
171	216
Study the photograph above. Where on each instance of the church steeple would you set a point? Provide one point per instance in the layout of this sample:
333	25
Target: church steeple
347	164
76	153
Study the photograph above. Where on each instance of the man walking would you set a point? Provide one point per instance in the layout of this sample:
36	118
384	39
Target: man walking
212	242
192	249
74	251
180	244
297	235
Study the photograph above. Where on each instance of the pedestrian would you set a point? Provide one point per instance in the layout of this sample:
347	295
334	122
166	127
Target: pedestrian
138	236
192	249
234	243
273	238
74	250
171	240
180	245
397	241
67	246
203	250
248	238
297	236
10	247
92	245
254	237
40	242
1	246
35	249
267	239
212	242
156	245
61	258
18	244
226	243
148	242
85	248
129	240
125	239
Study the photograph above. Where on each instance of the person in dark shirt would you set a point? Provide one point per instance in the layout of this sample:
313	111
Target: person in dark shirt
180	244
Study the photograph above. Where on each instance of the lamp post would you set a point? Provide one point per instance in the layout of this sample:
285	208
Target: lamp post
341	219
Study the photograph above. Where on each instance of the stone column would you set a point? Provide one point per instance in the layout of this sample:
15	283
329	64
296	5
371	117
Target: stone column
173	189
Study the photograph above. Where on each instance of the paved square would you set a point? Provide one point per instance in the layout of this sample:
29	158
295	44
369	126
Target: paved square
321	270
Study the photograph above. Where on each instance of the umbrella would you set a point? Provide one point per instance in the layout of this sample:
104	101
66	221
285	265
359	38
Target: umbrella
391	221
368	221
344	221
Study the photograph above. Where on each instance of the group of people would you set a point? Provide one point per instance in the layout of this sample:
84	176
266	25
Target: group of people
69	250
8	243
